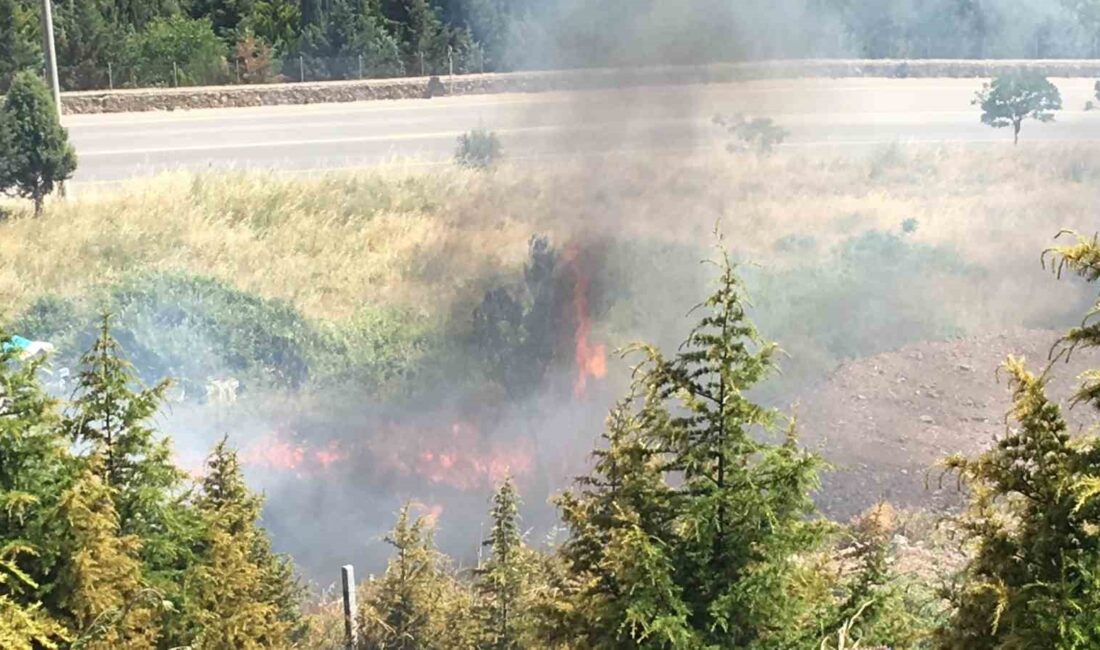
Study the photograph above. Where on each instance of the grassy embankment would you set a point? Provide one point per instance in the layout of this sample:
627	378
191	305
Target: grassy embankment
355	254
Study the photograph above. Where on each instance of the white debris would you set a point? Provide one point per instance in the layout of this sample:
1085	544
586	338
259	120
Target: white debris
222	391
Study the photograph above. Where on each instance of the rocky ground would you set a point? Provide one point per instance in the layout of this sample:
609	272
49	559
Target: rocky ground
884	422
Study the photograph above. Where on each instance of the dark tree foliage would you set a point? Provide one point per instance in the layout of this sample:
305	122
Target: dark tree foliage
517	331
35	154
19	48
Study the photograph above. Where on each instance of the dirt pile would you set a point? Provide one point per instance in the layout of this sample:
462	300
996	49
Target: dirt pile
885	421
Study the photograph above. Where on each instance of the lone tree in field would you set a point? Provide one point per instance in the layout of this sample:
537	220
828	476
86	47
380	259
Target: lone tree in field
35	154
1009	100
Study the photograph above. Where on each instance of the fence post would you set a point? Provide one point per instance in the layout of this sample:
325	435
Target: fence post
175	75
110	77
360	66
450	62
351	632
301	68
237	65
422	73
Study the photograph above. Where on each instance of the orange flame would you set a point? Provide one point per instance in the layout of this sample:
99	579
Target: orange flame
591	360
275	453
461	459
459	463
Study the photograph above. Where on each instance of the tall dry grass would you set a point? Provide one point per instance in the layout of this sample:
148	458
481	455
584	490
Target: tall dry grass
403	236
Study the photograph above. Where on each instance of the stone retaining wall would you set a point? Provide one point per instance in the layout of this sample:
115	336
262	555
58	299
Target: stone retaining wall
168	99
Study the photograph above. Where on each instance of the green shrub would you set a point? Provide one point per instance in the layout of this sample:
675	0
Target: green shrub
758	134
192	329
198	54
478	149
35	154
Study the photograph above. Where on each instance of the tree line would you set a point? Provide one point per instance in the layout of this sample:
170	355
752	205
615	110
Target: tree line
189	42
695	527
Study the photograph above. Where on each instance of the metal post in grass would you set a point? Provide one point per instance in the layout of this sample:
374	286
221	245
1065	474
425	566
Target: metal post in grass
301	68
422	73
110	76
351	632
451	62
360	66
237	65
175	75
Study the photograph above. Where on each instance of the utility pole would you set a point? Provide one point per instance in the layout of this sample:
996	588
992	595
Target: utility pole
51	54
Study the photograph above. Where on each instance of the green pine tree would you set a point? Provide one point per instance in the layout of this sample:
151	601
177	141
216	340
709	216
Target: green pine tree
99	582
504	580
416	605
743	502
109	420
619	591
239	594
1033	523
19	49
35	154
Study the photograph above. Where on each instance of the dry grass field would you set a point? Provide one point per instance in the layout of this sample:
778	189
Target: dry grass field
405	236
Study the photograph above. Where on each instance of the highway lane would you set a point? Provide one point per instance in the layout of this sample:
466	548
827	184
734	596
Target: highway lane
818	112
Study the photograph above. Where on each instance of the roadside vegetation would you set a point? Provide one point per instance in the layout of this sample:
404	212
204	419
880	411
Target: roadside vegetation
35	154
1011	99
184	42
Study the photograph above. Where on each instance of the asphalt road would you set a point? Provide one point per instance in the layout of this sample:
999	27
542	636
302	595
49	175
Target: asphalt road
847	113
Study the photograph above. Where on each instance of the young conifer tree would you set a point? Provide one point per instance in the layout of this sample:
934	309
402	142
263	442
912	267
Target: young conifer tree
239	594
620	592
34	470
35	154
408	608
99	582
503	580
1033	521
109	420
693	529
742	501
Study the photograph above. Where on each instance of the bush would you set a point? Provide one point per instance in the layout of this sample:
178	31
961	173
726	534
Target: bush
35	154
759	134
199	55
254	60
478	149
192	329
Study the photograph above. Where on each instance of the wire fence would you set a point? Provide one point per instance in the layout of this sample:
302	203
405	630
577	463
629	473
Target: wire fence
293	69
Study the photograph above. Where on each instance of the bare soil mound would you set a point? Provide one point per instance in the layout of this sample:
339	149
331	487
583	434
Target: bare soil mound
884	422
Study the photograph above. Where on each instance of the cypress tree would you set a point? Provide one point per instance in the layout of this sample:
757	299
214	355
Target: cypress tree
742	501
620	592
503	580
1033	521
35	154
34	470
108	420
416	605
99	581
23	625
239	594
